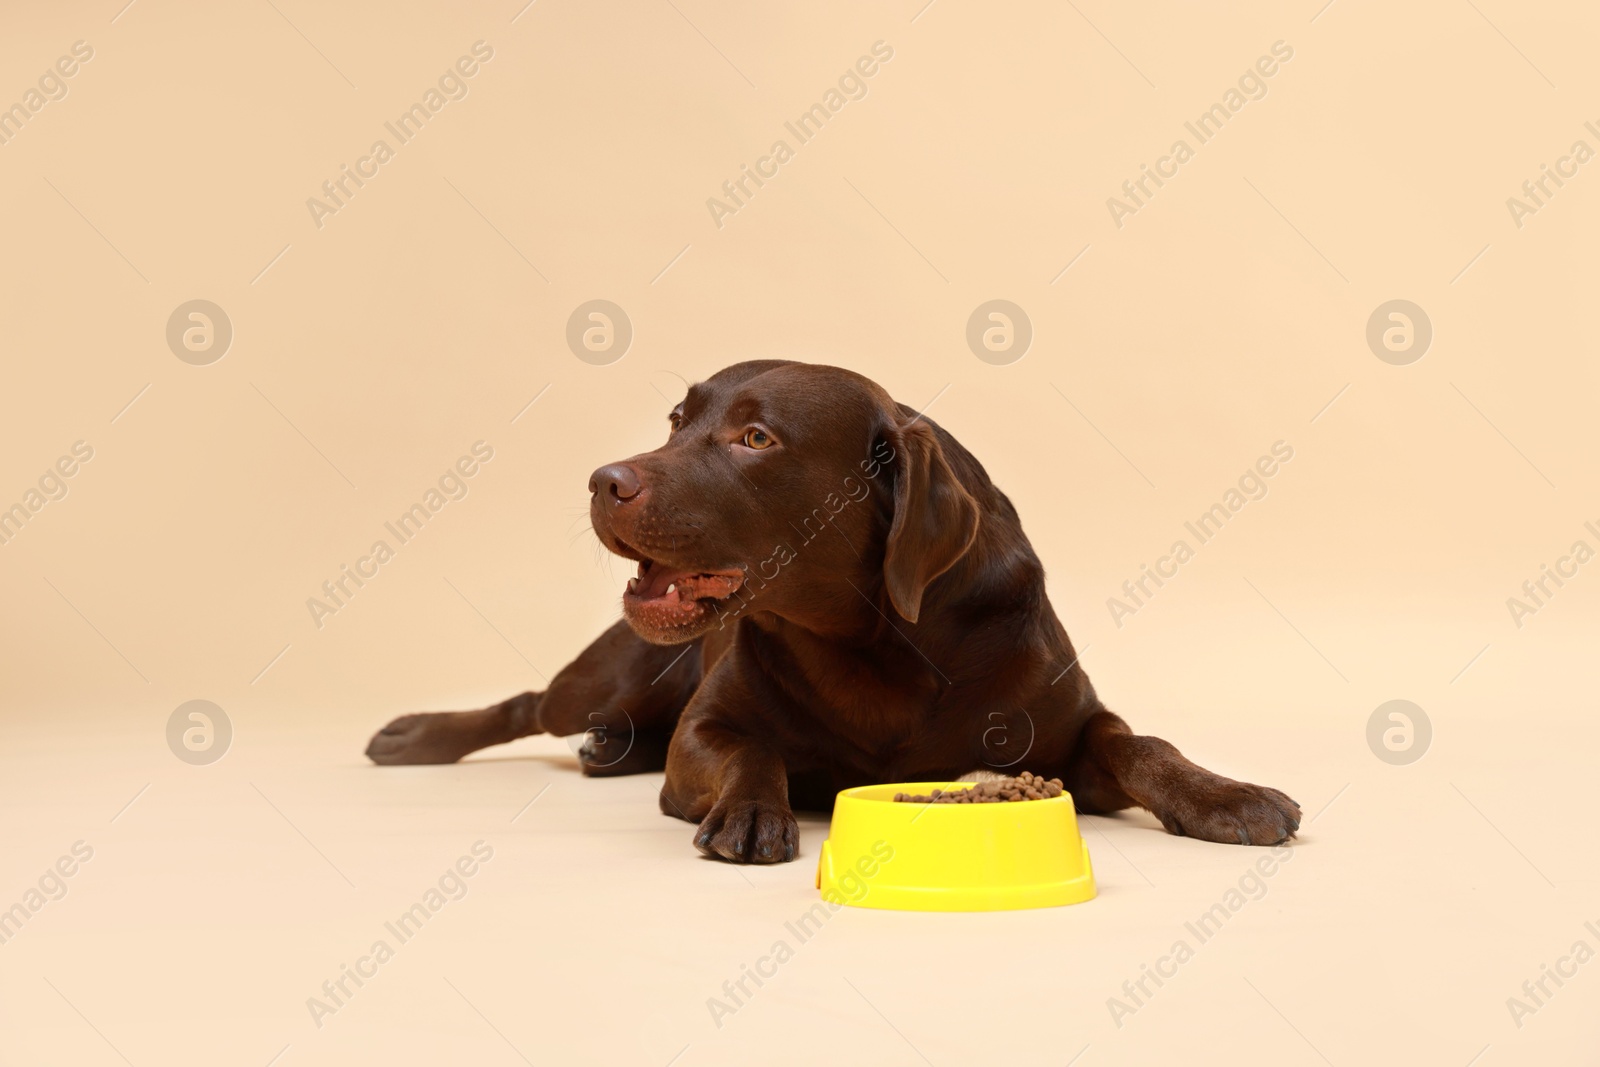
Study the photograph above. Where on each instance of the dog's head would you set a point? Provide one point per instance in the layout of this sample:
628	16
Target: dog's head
789	488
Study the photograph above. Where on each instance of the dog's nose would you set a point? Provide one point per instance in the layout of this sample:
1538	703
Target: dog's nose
617	479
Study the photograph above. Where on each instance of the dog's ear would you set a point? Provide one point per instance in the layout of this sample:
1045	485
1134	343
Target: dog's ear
935	518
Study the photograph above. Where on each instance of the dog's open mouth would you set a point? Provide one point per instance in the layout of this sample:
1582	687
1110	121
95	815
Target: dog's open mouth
667	599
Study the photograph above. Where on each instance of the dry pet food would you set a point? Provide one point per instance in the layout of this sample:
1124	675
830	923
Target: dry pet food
1025	786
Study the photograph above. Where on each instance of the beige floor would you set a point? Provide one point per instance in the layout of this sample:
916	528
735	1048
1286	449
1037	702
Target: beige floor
216	903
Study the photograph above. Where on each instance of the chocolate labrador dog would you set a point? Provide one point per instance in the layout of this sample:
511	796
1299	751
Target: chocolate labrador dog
831	593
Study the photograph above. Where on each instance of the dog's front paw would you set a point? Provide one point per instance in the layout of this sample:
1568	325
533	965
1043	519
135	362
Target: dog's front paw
749	831
1234	813
429	737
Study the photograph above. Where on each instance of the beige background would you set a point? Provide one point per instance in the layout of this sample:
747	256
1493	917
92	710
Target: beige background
370	353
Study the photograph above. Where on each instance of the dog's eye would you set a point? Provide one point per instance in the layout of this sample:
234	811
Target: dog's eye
756	439
676	420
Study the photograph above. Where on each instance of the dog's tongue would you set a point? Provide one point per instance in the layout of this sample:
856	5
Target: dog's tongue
656	581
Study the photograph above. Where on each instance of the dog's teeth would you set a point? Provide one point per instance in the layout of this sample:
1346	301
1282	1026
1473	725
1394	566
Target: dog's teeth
633	585
672	587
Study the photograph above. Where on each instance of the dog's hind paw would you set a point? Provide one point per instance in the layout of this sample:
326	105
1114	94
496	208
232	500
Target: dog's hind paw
1234	813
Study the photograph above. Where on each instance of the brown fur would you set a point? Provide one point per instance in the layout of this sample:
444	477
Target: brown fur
892	626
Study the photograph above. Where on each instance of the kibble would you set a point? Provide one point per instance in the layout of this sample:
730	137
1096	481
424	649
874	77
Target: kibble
1025	786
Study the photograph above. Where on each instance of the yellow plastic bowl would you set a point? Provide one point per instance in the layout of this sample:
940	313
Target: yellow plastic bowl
952	857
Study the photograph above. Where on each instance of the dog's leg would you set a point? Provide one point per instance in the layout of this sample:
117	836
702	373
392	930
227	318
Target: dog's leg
734	785
1113	768
610	753
446	736
622	692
